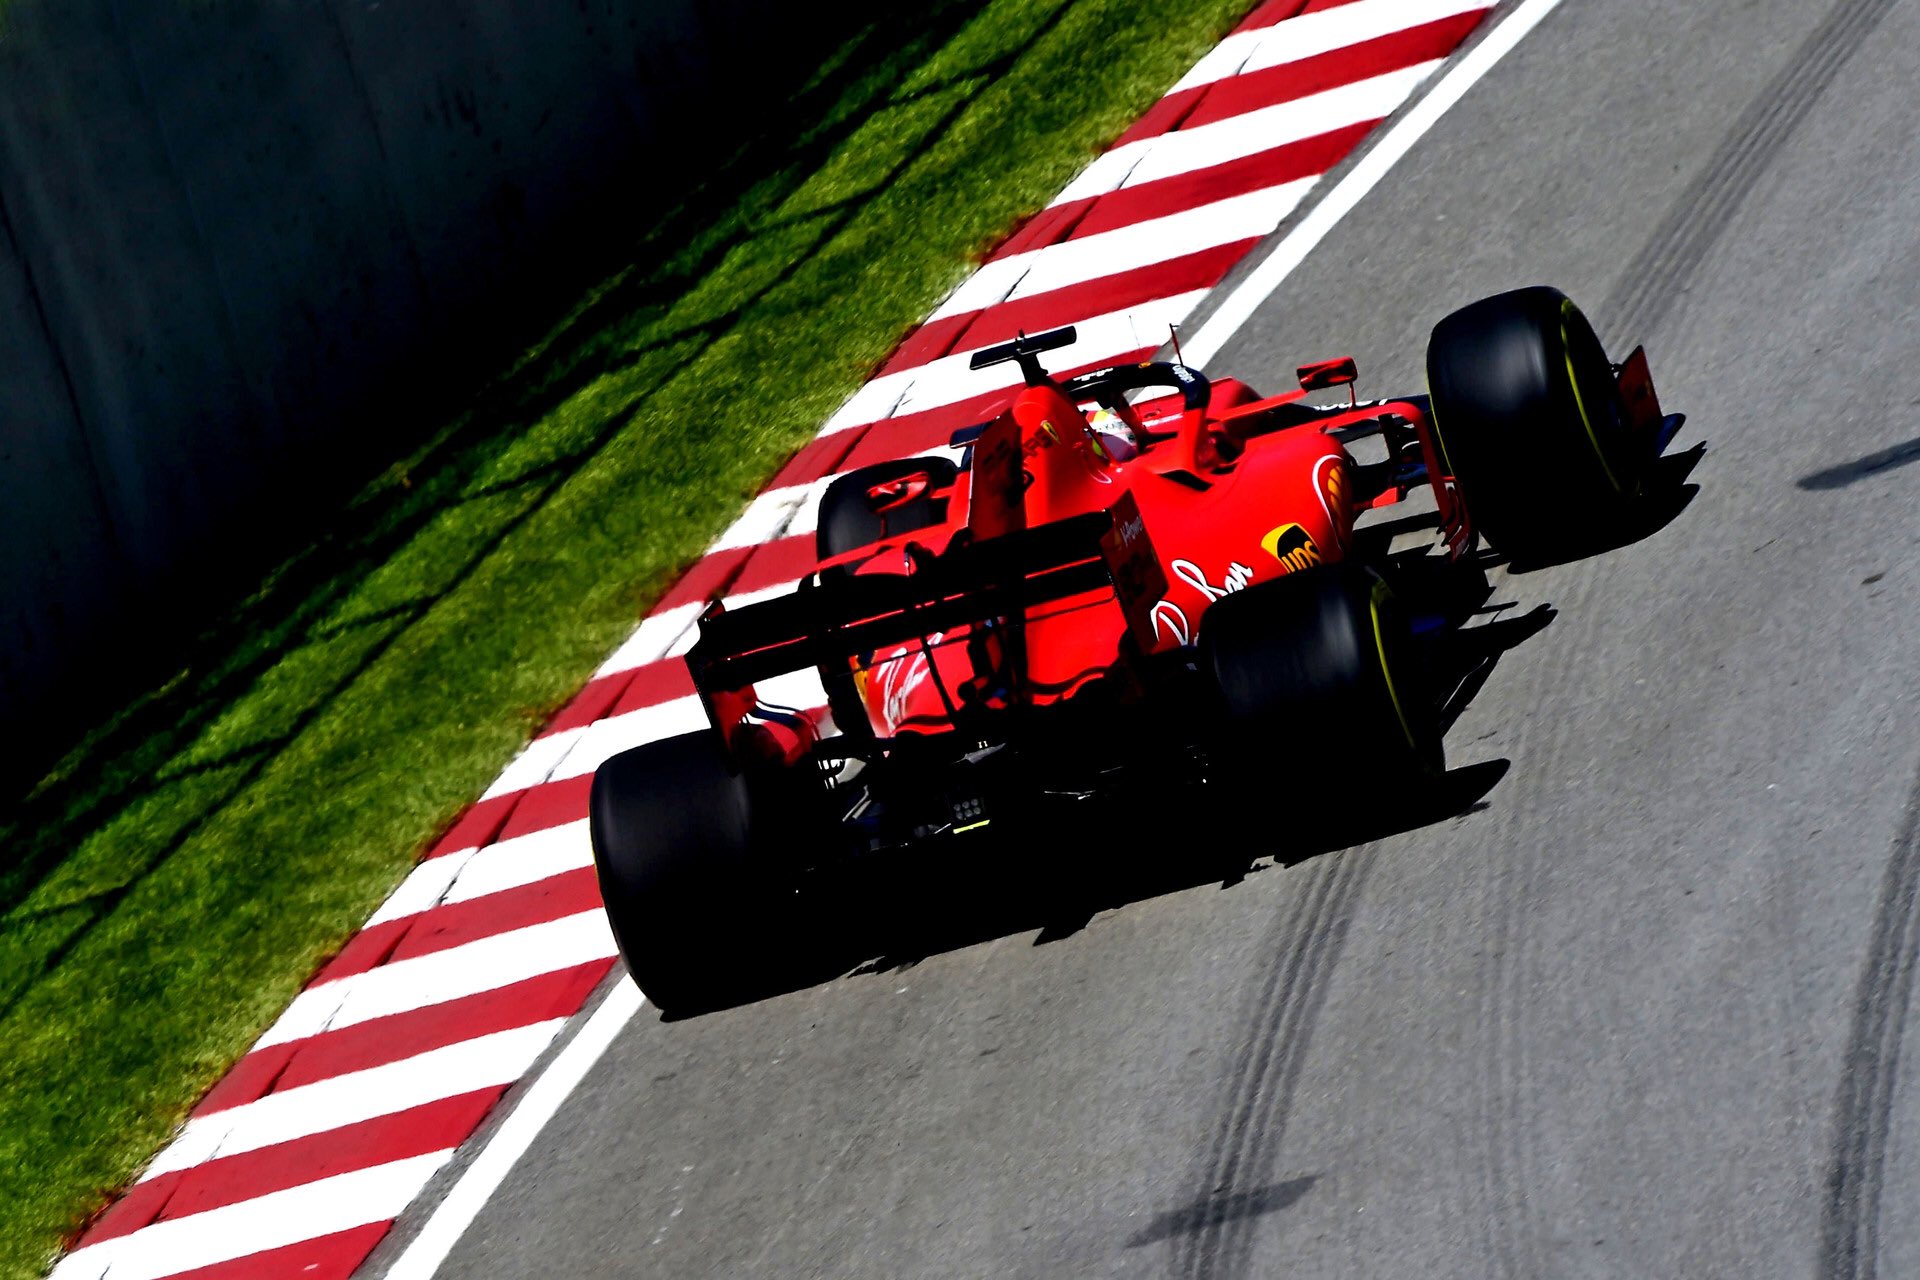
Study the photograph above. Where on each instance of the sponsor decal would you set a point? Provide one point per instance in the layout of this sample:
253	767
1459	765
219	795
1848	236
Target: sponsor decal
1293	547
1138	579
898	675
1238	576
1170	619
1171	616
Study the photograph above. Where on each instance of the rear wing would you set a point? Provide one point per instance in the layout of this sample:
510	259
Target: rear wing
839	617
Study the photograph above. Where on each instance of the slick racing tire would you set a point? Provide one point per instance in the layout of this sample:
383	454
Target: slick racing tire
882	501
674	835
1529	420
1317	679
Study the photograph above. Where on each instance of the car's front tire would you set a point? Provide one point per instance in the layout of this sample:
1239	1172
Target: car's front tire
1530	421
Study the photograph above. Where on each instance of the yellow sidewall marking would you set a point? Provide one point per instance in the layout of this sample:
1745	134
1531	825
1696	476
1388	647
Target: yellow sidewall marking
1586	420
1381	590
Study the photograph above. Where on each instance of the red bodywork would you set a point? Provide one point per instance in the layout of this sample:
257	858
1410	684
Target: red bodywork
1220	496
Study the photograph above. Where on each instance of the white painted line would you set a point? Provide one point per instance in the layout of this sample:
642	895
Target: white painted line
1311	34
272	1221
476	1185
1204	146
1239	306
482	1062
437	977
1111	253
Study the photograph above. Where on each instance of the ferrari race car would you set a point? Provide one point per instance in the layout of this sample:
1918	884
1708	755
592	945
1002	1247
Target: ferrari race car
1134	578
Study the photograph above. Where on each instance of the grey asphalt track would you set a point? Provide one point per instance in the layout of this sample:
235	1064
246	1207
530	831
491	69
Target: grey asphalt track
1643	1012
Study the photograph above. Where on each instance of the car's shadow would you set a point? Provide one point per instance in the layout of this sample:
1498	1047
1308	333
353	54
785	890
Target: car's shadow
1052	876
1055	871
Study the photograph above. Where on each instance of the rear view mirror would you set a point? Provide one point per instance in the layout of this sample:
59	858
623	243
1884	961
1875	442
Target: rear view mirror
1329	373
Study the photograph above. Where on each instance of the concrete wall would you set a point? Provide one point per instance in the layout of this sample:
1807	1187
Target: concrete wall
228	225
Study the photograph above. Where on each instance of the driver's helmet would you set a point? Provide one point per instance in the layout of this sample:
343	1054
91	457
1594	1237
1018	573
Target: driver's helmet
1112	434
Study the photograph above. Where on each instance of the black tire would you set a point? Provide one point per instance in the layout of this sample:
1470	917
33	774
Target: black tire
1319	666
1530	421
848	520
674	835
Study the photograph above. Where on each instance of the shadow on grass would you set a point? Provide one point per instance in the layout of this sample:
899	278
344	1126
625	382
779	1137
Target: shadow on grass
306	604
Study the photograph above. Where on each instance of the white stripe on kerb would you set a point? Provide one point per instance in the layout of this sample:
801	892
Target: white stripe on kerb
1239	306
948	379
272	1221
1124	249
1204	146
440	976
1312	34
447	1072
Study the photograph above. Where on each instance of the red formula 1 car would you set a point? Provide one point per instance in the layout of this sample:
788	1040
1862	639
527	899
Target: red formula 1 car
1132	580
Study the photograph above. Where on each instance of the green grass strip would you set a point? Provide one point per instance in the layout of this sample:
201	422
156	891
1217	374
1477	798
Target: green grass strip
173	882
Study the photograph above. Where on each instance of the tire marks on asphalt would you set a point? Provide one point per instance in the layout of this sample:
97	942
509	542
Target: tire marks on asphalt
1212	1238
1870	1072
1657	279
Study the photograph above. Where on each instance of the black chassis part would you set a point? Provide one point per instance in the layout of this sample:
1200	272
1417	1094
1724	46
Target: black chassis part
923	791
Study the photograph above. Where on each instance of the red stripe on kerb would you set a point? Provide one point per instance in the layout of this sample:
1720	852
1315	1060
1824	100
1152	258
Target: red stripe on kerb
704	579
593	702
1184	274
479	825
655	683
1289	162
549	804
454	924
1270	86
1277	11
1069	303
417	1131
379	1041
333	1257
646	685
918	432
776	563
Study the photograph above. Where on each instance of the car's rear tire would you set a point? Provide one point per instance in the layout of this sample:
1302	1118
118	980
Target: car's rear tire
1530	421
848	516
1317	678
675	833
